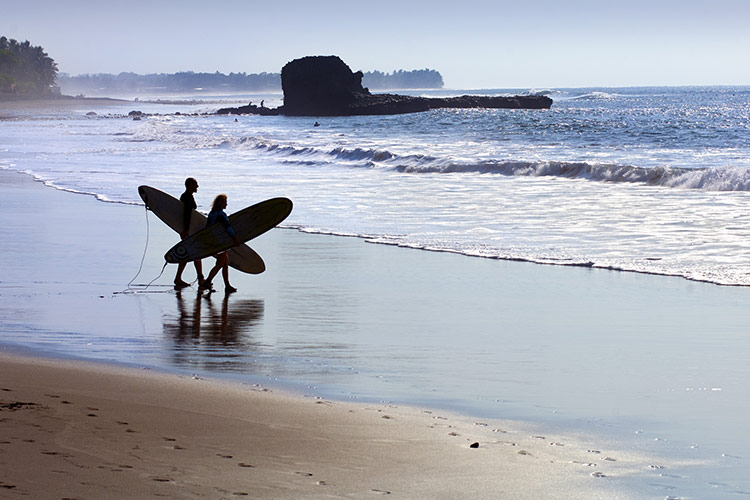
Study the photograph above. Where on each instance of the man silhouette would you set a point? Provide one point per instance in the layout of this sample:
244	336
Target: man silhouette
188	203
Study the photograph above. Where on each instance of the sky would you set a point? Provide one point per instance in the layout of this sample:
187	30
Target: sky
472	43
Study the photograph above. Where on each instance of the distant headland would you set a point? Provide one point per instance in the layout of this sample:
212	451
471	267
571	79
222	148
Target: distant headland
326	86
191	82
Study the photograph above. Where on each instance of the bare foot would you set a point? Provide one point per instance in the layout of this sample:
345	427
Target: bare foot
179	284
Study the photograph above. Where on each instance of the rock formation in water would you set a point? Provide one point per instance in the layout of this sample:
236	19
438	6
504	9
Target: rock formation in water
326	86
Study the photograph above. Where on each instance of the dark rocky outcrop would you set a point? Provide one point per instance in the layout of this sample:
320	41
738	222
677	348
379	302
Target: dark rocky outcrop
250	109
326	86
320	85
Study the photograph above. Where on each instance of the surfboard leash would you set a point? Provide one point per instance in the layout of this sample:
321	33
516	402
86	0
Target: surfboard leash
141	288
143	257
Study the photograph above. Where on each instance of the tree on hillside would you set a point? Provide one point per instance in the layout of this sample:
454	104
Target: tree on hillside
25	69
415	79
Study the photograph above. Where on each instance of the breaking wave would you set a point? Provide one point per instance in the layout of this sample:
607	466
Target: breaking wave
710	179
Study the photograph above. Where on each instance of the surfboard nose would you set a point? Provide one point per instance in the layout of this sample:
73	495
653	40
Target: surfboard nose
143	194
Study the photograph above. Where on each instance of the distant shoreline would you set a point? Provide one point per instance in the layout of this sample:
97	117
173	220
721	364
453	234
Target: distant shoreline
61	103
56	99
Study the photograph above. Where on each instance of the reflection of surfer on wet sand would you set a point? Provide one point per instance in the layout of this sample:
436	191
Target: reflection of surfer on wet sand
201	323
188	327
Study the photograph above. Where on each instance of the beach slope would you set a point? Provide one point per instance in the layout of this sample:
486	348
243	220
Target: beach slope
75	430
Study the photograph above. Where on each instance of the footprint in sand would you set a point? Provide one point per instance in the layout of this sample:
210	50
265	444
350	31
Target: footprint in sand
17	405
220	455
247	466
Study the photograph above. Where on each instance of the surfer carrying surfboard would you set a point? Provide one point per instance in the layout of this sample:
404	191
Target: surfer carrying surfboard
188	203
217	215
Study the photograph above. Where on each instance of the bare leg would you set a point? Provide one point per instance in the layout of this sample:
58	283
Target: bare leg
213	272
225	274
221	261
199	271
178	282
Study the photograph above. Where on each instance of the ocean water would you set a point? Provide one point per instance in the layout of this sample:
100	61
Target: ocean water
648	180
652	180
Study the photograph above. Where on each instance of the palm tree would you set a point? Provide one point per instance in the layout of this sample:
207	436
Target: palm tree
25	69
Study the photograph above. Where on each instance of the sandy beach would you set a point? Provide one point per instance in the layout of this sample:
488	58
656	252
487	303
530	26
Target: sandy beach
75	429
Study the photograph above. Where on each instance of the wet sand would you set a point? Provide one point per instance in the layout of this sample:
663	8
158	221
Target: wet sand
59	102
84	430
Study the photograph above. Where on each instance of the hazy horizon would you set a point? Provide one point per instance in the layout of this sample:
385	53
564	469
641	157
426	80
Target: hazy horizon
482	45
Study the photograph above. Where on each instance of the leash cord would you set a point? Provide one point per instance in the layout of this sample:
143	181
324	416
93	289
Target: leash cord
143	257
130	288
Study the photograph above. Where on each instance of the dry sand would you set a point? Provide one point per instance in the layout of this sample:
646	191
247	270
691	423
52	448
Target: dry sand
74	430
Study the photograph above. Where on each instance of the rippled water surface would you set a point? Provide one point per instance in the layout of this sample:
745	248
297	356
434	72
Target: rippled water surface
642	179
